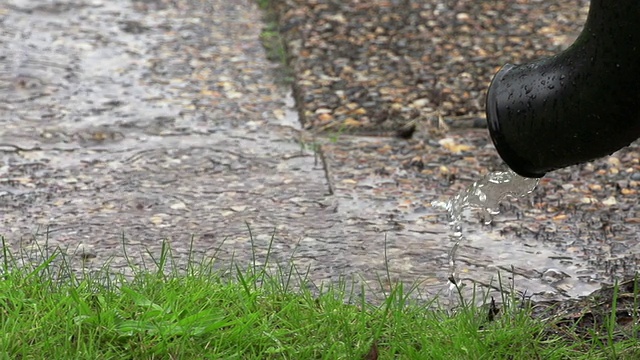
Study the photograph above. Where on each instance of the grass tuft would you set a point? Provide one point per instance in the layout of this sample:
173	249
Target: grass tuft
274	43
163	313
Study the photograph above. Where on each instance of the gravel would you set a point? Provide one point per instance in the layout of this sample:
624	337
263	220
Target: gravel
375	66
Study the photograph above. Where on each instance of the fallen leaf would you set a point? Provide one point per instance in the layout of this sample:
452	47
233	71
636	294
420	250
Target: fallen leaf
325	118
451	145
560	217
626	191
351	122
595	187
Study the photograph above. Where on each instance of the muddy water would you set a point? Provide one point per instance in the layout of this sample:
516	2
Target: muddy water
126	123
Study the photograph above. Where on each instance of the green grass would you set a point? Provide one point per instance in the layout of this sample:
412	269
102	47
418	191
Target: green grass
274	43
201	313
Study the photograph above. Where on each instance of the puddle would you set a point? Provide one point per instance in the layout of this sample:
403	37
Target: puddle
546	257
419	248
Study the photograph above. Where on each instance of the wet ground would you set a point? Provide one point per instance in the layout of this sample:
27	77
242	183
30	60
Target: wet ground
125	123
372	66
130	122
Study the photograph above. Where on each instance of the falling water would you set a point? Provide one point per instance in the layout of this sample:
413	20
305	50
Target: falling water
485	195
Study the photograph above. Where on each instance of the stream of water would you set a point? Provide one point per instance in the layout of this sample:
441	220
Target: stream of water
484	196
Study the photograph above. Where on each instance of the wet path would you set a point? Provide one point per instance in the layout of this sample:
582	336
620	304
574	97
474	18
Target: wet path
130	122
149	121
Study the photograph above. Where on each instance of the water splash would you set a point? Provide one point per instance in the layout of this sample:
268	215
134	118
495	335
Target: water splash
485	195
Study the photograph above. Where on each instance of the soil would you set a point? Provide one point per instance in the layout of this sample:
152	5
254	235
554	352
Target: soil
128	123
